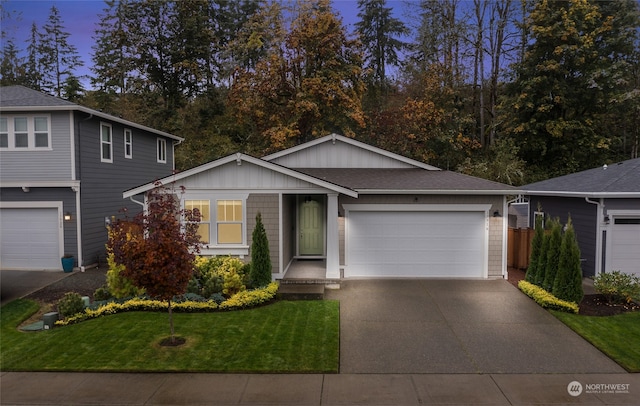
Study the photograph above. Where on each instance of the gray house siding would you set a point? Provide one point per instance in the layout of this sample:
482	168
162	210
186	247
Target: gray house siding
52	165
102	183
583	217
268	206
622	204
64	195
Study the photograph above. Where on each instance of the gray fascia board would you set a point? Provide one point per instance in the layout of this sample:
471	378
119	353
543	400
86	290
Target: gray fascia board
92	112
555	193
436	192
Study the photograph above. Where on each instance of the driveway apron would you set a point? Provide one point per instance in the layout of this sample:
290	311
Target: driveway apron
455	326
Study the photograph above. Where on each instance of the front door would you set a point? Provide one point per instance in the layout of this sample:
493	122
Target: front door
311	226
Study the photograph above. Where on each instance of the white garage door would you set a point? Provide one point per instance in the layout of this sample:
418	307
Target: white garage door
625	246
29	238
415	244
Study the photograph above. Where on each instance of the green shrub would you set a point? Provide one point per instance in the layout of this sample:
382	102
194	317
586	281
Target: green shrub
120	286
101	294
217	275
568	283
70	304
240	300
536	248
546	299
553	255
618	287
260	257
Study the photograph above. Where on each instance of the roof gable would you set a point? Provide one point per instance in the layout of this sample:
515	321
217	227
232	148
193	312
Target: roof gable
240	171
619	179
337	151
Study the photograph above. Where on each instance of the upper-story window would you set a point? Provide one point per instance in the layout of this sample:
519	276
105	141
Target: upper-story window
128	143
162	151
106	143
25	133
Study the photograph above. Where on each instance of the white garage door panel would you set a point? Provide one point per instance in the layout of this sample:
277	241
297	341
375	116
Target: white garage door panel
625	246
29	238
415	244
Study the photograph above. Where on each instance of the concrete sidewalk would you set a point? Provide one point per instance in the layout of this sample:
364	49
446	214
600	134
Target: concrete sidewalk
50	388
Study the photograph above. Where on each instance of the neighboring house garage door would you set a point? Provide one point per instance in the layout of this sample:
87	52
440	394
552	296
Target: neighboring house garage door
625	245
29	238
416	244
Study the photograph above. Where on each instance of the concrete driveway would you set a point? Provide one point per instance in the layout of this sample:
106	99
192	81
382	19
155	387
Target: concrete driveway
455	326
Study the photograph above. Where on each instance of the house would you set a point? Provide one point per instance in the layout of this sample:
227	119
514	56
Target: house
604	205
63	168
365	211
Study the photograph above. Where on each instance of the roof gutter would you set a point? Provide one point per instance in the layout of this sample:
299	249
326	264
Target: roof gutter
436	192
587	195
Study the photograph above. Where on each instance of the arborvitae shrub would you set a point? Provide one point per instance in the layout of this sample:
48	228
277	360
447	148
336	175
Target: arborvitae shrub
568	282
542	259
553	255
536	248
260	258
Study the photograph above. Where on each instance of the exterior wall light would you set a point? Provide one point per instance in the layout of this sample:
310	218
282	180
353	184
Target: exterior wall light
67	216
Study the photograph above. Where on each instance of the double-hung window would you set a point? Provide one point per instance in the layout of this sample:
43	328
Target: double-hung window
204	227
25	133
106	143
162	151
128	143
229	221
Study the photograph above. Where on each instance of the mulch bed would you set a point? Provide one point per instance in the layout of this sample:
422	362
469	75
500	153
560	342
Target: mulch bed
591	305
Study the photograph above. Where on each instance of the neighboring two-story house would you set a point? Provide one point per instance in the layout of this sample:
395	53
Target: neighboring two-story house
63	168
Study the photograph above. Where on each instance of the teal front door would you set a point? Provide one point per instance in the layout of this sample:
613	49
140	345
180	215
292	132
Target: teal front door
311	226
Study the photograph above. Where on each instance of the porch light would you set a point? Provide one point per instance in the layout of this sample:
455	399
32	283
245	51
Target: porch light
67	216
496	214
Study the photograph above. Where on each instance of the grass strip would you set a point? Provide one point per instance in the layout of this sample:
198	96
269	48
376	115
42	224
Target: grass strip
617	336
291	337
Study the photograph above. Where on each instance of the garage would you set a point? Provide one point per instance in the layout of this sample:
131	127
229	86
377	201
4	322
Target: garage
448	244
30	238
625	245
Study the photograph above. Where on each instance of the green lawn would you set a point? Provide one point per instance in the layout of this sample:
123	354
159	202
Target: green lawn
616	336
292	337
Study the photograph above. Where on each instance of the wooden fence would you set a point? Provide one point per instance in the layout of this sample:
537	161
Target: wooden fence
519	247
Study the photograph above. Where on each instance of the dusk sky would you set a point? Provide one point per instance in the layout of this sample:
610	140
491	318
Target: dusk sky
81	16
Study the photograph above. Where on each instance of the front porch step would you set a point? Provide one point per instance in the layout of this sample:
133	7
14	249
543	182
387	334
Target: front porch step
325	282
289	291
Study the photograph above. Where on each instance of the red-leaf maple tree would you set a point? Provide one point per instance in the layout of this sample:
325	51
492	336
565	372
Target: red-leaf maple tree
158	246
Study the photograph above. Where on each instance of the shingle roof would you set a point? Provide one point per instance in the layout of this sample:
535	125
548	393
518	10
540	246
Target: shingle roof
19	96
619	178
361	179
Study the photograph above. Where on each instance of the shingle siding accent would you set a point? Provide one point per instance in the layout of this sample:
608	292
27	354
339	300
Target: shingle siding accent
268	206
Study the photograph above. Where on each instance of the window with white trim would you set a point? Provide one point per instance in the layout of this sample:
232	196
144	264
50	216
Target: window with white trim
229	222
25	133
162	151
204	227
106	143
128	143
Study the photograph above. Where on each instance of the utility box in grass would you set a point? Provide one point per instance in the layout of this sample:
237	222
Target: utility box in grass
50	320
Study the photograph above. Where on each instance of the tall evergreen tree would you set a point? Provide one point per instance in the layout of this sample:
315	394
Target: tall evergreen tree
553	255
379	31
566	82
260	256
568	282
58	58
536	248
11	65
33	70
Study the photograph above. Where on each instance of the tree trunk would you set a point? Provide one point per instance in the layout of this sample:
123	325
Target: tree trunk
173	336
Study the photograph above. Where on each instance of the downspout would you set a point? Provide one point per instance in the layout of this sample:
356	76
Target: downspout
599	220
